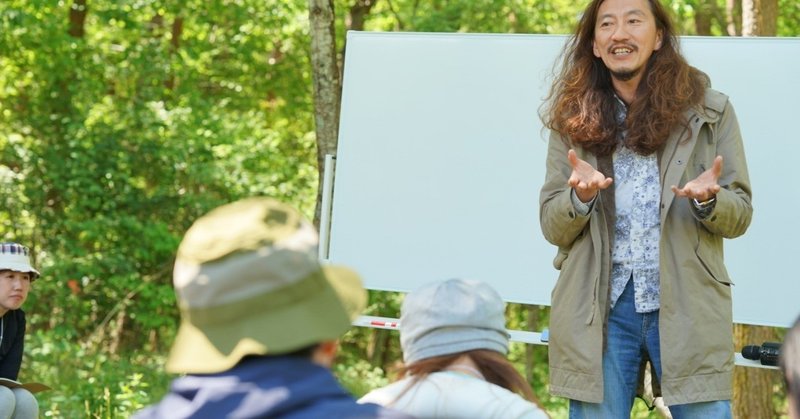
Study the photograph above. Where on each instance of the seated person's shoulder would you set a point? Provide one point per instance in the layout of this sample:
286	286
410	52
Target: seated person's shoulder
347	410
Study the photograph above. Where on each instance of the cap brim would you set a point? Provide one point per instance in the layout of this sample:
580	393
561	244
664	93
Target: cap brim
329	303
20	267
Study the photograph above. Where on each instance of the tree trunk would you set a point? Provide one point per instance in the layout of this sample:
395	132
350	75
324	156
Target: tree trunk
759	17
77	18
753	387
708	12
358	14
533	326
174	44
702	18
177	32
376	350
733	16
117	331
327	85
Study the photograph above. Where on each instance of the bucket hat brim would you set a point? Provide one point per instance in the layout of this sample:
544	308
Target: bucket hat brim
18	263
317	308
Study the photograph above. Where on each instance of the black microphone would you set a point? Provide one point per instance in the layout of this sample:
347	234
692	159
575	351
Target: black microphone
767	353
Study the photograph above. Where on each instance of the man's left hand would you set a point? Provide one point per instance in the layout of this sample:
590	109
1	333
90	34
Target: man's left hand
705	186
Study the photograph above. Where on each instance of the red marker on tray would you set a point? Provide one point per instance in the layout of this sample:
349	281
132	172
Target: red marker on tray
383	323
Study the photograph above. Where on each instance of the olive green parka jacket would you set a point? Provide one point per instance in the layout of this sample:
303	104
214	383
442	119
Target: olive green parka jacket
695	318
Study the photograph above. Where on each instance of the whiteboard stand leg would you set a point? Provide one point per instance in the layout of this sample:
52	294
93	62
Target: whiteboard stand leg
327	206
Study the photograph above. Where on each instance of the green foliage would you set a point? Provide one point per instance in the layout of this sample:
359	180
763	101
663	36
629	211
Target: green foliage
358	376
116	140
788	18
115	137
498	16
84	384
113	140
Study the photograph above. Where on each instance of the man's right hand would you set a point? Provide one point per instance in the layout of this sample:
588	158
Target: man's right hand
585	179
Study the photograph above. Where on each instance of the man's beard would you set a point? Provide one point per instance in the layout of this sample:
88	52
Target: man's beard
625	75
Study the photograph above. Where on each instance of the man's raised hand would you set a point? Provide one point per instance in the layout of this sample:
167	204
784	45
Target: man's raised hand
703	187
585	179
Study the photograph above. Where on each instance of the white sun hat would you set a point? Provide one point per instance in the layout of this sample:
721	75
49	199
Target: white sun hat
16	257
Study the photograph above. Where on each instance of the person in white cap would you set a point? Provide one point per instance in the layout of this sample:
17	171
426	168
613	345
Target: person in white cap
16	276
260	320
454	344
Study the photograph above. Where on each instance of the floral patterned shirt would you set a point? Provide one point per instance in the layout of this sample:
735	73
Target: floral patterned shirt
637	193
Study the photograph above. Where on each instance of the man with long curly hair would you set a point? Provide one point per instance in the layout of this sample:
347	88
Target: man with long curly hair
646	175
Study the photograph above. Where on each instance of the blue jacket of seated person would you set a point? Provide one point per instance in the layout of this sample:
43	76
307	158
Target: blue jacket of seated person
264	387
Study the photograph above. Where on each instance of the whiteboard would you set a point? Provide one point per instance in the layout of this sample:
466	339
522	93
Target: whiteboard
442	154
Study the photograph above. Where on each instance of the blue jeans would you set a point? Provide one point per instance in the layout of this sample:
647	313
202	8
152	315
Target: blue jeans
630	336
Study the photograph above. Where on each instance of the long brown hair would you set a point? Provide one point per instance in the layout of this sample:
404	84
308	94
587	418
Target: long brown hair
495	368
581	103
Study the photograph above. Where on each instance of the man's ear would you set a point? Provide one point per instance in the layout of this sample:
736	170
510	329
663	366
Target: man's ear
325	353
659	39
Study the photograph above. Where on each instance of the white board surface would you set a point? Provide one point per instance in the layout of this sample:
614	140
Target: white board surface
441	157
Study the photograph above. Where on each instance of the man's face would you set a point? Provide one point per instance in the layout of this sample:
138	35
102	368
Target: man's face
14	287
625	37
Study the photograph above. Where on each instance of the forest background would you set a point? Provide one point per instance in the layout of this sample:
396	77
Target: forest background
122	121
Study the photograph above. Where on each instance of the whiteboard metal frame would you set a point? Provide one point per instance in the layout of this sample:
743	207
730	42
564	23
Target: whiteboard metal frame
327	206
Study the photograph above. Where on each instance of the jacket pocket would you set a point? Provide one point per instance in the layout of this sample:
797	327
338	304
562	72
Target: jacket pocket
709	253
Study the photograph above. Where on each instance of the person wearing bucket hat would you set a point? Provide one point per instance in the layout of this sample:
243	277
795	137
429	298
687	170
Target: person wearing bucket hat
16	275
260	319
454	343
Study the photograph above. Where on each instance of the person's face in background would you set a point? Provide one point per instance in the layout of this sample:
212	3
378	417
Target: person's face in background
14	287
625	36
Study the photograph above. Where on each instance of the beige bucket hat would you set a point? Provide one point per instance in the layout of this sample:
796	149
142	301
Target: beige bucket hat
248	282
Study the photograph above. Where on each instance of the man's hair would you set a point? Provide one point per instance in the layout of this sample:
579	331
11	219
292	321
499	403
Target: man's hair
790	363
494	366
581	103
306	352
